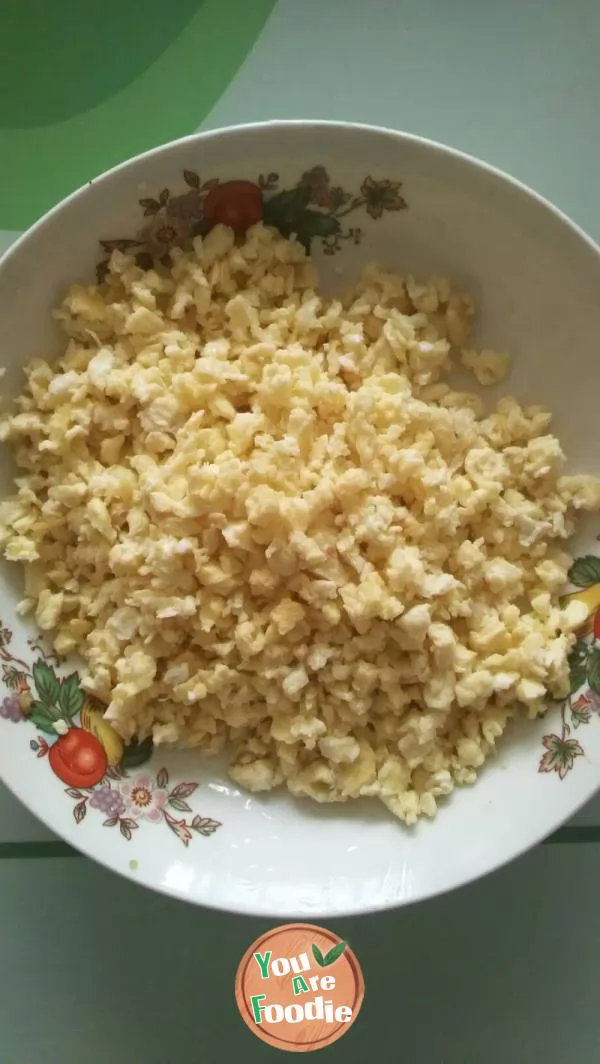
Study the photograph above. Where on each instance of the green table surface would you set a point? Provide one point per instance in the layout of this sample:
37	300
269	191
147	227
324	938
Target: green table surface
92	968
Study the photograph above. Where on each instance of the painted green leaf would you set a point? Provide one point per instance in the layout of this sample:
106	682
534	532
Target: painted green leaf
593	670
320	224
286	204
11	677
46	683
585	571
312	224
578	675
71	697
284	209
191	178
137	754
205	825
42	718
316	952
335	952
578	665
288	212
151	206
580	716
560	754
120	244
183	790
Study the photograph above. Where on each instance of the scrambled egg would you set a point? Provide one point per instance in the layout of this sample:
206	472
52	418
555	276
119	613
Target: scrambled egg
264	518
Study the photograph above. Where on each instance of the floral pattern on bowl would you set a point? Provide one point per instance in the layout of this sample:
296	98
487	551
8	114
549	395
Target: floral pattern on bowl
561	749
85	752
313	208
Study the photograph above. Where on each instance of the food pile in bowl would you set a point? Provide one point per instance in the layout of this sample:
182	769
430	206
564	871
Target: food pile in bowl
264	518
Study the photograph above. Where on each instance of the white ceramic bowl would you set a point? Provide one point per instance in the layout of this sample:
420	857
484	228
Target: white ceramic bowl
536	279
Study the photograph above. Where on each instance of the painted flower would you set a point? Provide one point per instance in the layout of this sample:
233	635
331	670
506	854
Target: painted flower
382	196
560	754
173	223
5	636
10	708
144	800
339	198
164	232
316	181
187	206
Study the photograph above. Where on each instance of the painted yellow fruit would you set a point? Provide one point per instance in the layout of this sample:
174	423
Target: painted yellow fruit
93	721
590	596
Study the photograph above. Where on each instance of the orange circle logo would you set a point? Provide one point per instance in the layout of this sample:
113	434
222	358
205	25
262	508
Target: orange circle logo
299	987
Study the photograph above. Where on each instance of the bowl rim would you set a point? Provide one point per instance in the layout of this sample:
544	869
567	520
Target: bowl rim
434	148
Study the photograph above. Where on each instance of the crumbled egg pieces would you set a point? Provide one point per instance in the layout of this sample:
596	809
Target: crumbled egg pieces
264	518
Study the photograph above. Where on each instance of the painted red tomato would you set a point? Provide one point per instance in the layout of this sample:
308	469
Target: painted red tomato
78	758
597	624
237	204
